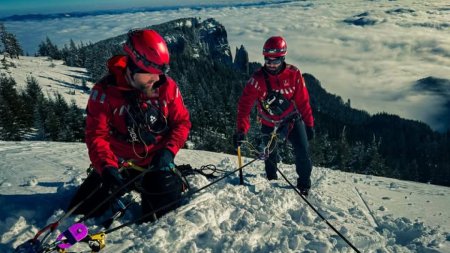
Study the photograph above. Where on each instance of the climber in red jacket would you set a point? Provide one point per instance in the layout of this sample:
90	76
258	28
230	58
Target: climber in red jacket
135	113
282	100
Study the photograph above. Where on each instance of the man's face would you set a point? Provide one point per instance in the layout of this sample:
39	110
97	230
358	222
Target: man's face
272	64
144	81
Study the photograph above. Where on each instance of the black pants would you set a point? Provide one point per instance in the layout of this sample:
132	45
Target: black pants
157	188
297	137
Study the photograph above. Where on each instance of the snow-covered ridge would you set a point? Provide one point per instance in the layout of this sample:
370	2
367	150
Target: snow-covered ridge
376	214
52	75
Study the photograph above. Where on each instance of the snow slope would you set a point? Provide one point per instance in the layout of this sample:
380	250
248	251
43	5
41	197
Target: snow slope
52	75
376	214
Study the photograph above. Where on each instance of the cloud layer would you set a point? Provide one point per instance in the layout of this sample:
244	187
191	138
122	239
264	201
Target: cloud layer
373	65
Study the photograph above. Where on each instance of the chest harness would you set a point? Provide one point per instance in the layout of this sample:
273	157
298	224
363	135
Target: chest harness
144	120
275	104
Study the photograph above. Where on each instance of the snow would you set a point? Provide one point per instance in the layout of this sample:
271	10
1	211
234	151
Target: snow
376	214
52	75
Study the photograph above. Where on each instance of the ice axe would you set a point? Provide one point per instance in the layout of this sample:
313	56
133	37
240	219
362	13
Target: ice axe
241	176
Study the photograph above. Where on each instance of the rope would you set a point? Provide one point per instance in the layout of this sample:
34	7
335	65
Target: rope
266	150
273	138
177	200
112	195
317	212
52	227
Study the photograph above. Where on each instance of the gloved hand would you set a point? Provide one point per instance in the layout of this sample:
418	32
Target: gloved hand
238	138
310	133
112	179
163	160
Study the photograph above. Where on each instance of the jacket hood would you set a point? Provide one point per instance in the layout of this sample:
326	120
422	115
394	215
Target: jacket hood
117	66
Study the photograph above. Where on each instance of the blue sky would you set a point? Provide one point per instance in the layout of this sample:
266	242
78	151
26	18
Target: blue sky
12	7
19	7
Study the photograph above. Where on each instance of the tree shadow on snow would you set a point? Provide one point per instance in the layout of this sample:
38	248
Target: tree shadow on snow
63	83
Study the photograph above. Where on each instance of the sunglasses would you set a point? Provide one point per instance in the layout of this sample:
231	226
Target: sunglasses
163	68
274	50
274	61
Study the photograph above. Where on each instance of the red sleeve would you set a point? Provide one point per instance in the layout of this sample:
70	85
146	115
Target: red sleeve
178	119
245	105
301	98
97	130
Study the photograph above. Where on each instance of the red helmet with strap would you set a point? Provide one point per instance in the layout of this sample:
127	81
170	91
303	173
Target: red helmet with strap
148	51
275	47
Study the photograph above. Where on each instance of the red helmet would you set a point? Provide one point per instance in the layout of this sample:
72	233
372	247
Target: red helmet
275	47
148	51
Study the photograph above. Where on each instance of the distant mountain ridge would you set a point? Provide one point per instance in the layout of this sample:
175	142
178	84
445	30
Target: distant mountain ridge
440	87
80	14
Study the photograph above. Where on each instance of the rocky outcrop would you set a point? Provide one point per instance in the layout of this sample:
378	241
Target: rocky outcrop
189	37
362	19
241	60
197	38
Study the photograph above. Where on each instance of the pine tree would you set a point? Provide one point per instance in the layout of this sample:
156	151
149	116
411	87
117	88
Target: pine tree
40	118
47	48
33	91
343	154
375	164
60	109
38	124
9	131
73	49
326	147
65	55
358	157
73	127
318	150
70	55
10	43
32	97
10	108
50	117
52	125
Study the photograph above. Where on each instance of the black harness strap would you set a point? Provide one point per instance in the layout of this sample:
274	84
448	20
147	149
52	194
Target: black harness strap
274	103
267	81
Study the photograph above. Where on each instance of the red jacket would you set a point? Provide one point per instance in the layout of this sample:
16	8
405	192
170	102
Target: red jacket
289	83
106	119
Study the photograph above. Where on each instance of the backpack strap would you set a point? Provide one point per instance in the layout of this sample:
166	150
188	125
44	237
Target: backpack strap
267	81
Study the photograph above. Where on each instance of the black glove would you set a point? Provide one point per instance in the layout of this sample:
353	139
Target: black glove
238	138
163	160
112	179
310	133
